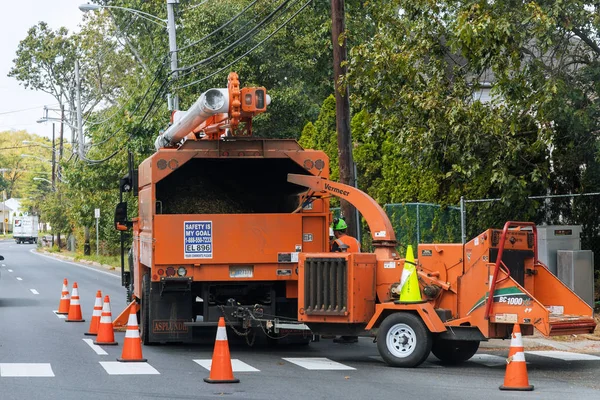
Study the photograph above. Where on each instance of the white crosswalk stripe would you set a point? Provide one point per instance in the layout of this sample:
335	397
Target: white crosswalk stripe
318	363
236	365
26	370
564	355
132	368
99	350
61	316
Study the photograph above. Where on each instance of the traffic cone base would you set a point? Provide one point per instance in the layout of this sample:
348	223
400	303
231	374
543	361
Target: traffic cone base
106	335
65	301
132	346
515	377
74	306
106	343
220	368
410	292
234	380
96	315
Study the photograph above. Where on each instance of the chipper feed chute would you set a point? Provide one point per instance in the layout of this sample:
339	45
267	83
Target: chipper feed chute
524	291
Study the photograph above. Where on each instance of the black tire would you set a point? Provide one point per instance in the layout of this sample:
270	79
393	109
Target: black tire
145	311
403	340
452	352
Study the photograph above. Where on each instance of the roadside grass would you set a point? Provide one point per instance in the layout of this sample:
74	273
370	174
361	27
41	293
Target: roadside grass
113	261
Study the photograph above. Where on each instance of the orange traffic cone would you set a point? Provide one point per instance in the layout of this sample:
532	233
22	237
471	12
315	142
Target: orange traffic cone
106	335
132	347
516	370
220	369
74	306
96	314
63	307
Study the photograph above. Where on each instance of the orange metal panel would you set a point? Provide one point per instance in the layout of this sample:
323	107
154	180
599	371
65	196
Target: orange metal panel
443	262
360	289
260	272
425	311
313	233
236	238
291	288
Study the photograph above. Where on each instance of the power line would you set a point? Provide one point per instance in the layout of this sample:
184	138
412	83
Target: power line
23	109
225	25
247	35
249	51
225	39
197	5
156	75
152	104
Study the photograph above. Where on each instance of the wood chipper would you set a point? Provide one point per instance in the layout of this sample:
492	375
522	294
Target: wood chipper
236	226
468	293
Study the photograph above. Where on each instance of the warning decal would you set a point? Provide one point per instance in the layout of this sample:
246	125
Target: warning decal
197	239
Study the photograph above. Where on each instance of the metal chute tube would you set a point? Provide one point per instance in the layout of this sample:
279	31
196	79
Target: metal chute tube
211	102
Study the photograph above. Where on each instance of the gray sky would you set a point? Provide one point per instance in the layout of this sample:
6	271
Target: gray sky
16	17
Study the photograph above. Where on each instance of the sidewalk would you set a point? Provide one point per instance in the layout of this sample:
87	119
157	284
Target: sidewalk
579	343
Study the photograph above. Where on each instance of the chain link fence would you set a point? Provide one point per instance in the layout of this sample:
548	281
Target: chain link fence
417	223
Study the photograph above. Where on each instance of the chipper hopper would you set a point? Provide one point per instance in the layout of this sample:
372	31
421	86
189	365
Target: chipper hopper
468	293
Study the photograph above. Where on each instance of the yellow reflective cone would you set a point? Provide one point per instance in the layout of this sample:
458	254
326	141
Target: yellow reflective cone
410	293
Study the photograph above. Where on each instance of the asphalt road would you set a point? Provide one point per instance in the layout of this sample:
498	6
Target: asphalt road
53	361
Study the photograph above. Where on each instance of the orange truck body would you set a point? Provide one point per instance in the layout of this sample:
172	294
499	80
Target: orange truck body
250	257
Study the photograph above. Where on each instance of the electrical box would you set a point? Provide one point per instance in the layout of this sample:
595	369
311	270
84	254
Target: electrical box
552	238
576	270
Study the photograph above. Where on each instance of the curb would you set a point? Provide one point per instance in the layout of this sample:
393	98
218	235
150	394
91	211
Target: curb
72	259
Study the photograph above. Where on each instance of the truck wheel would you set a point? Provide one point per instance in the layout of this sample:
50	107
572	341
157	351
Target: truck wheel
145	311
403	340
454	352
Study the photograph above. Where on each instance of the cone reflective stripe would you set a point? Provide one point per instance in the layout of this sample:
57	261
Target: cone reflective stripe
410	292
516	368
63	307
74	306
96	315
132	347
220	368
106	335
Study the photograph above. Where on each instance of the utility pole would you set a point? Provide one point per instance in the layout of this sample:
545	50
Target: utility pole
53	159
342	113
79	120
171	28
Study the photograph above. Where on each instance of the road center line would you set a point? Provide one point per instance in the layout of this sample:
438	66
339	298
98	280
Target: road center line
34	291
19	278
78	265
10	270
99	350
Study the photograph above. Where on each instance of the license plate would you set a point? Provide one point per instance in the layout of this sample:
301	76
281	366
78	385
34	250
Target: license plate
241	272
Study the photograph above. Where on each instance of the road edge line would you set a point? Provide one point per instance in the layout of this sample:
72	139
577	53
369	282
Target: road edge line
32	251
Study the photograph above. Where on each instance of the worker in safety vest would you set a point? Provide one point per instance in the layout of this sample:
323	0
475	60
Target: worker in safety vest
342	241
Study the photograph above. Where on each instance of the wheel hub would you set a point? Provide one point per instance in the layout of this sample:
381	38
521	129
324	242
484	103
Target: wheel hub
401	340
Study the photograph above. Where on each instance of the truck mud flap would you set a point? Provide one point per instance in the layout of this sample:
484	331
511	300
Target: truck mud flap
170	309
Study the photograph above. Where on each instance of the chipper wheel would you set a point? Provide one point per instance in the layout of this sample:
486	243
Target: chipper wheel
454	352
403	340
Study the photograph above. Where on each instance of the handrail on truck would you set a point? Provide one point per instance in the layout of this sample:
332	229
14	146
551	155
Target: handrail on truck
490	299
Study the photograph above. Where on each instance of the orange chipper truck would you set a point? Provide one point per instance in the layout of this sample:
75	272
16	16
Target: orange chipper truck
235	226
